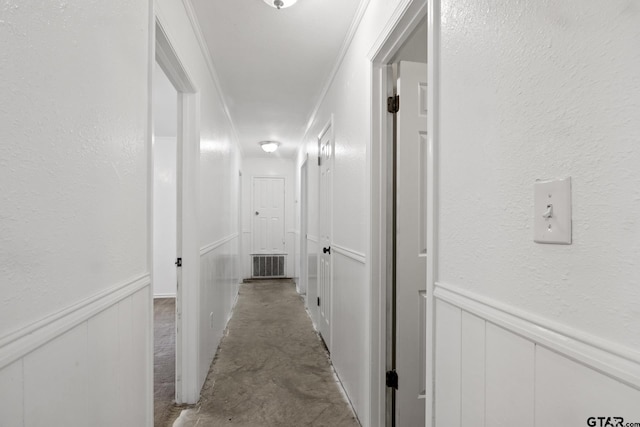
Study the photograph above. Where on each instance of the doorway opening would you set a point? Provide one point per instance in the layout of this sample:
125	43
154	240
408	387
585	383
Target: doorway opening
174	250
165	237
304	230
400	173
268	254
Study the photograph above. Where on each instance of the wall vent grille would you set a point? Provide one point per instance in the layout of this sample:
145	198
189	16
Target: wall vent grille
264	266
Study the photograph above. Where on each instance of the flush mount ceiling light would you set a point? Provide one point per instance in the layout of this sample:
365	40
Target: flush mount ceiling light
280	4
269	146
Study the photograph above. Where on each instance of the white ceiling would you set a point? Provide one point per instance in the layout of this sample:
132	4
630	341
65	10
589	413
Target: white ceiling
273	64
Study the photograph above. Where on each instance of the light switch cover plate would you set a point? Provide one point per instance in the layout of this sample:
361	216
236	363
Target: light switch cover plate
552	211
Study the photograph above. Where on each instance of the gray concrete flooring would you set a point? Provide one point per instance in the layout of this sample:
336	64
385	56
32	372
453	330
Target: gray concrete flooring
271	368
164	361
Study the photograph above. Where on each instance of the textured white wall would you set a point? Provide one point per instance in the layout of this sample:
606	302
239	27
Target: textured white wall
165	159
74	220
164	216
73	175
541	90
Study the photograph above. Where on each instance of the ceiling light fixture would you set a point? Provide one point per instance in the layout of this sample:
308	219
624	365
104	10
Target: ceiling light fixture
280	4
269	146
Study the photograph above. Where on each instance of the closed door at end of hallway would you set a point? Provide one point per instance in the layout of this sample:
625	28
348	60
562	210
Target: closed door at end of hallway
268	215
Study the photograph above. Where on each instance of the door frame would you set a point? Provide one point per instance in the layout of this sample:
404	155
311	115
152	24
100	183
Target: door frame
328	128
398	29
304	227
253	209
187	156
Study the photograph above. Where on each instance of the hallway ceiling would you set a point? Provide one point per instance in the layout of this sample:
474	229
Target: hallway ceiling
273	64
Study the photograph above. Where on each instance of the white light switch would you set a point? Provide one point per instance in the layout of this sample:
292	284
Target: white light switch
552	211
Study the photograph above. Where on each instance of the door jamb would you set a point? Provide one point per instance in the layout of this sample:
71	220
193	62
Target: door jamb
327	128
188	145
403	21
253	209
304	227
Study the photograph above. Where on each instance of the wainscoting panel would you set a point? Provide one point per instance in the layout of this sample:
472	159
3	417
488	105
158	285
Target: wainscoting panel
497	366
56	385
509	376
350	328
312	281
89	364
104	364
567	393
11	397
448	329
219	279
473	374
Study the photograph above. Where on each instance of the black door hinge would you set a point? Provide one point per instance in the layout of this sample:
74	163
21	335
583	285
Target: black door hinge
318	301
392	379
393	104
179	262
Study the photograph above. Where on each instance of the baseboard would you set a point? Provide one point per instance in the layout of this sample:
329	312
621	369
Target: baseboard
158	296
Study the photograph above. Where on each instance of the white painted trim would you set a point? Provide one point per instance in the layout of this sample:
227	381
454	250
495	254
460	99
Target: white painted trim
292	231
168	59
613	360
204	49
188	154
405	18
362	8
22	342
350	253
167	295
246	231
313	238
151	65
433	141
215	245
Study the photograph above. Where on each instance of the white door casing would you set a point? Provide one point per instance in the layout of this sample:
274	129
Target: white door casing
410	271
268	215
325	276
304	229
187	248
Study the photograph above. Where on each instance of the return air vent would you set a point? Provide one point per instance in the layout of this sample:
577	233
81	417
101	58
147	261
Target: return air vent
268	266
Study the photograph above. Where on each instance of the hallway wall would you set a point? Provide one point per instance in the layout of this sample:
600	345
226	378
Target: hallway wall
348	101
218	171
75	339
534	334
165	155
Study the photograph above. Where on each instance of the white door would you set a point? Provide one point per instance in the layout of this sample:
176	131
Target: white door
268	215
324	268
304	262
410	267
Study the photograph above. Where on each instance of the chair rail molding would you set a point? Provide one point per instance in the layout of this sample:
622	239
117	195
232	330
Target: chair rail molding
22	342
611	359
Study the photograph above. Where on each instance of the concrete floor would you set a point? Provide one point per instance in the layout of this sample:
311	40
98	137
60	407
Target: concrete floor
164	361
271	368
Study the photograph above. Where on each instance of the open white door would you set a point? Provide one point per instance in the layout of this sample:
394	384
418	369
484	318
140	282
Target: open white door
325	277
410	243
